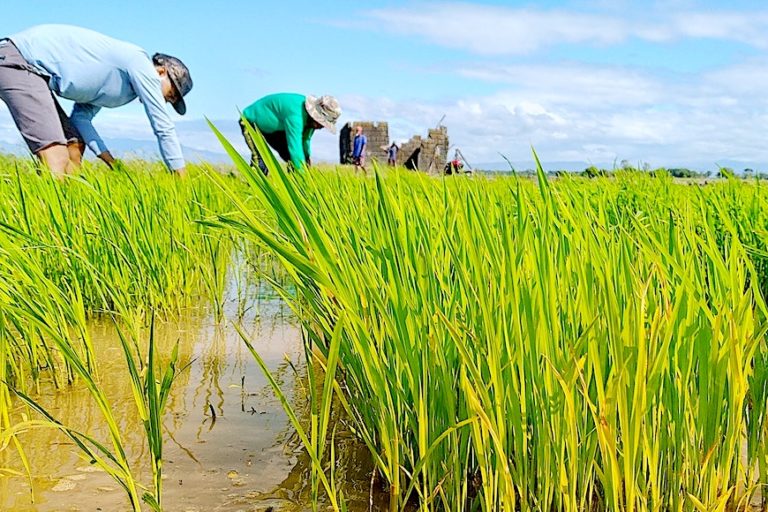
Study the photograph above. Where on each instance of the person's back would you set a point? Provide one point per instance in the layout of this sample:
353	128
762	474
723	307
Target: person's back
277	112
95	71
84	66
287	121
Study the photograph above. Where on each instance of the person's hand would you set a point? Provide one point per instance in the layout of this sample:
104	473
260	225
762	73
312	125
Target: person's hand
108	159
181	172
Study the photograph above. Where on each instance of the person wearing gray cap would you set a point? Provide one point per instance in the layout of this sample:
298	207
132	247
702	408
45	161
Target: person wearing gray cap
288	121
94	71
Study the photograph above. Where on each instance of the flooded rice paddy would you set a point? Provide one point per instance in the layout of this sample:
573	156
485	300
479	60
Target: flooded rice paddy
228	443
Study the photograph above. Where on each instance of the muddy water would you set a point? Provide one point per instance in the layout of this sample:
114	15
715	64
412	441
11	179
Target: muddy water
247	458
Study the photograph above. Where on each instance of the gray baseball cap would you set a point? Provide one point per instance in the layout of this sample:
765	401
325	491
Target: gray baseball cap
178	74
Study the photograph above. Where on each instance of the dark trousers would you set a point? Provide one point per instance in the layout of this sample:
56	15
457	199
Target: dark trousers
275	140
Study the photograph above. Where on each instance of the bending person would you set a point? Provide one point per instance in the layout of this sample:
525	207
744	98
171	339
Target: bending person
94	71
288	122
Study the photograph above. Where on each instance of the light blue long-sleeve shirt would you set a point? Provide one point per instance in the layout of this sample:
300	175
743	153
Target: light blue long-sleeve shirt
97	71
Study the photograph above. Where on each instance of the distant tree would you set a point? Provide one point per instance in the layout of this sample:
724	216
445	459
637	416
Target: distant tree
646	166
626	165
748	172
682	173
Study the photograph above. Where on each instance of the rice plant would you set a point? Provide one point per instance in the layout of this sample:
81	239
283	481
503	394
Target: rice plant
509	344
102	243
496	343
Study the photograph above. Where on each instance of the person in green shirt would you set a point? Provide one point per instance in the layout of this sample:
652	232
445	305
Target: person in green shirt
288	122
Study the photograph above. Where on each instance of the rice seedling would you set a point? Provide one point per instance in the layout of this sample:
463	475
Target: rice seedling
505	344
496	343
150	401
39	310
123	244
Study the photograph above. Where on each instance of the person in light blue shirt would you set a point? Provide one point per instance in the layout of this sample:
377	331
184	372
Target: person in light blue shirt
95	71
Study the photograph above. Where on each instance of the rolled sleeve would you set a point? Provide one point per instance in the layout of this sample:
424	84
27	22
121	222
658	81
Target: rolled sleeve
146	83
82	119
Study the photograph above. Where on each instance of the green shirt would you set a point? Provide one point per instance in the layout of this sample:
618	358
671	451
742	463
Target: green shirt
284	112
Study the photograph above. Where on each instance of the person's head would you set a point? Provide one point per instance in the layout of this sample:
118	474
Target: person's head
359	130
323	112
174	79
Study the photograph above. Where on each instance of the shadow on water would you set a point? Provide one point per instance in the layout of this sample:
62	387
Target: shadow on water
228	443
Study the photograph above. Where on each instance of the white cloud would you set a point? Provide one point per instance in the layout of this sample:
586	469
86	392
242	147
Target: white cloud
600	114
494	30
571	82
568	112
748	78
745	27
491	30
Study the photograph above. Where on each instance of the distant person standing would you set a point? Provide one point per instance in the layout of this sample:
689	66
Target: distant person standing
94	71
392	155
287	121
359	145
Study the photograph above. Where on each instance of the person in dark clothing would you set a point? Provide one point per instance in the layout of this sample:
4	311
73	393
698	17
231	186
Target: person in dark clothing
392	155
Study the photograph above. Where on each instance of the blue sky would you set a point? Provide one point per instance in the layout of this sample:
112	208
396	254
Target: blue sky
678	82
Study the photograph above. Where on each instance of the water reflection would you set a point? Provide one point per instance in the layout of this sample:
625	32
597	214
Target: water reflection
209	465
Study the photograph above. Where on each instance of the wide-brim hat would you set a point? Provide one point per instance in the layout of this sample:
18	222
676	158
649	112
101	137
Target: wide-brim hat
179	76
325	110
